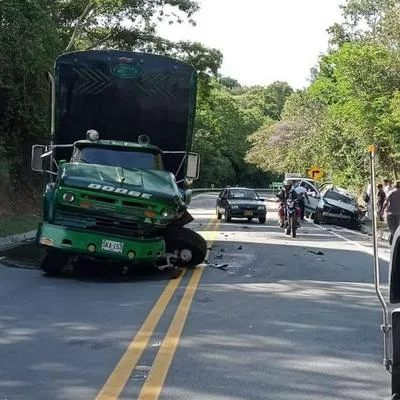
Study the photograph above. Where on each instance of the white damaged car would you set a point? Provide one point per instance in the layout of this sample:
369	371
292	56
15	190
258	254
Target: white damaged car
337	205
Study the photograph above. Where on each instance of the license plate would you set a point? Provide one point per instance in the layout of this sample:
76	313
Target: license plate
110	245
248	213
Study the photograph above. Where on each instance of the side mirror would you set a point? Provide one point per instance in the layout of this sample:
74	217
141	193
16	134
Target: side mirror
192	166
37	159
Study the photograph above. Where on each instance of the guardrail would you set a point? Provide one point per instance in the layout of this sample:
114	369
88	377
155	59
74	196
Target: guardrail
217	190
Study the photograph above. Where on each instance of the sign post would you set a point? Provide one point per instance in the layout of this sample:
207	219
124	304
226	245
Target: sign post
385	327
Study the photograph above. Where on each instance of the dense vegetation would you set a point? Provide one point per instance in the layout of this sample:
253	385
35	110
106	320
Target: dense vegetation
246	135
353	101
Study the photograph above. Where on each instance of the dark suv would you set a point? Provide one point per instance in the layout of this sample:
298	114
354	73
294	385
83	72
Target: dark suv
240	203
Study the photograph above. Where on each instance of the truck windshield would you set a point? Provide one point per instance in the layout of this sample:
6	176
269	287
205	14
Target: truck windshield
128	159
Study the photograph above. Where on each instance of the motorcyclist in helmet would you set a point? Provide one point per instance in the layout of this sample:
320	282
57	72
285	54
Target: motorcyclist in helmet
287	192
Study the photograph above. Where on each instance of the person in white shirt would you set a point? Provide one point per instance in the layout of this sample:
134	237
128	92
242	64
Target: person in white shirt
387	186
302	192
367	199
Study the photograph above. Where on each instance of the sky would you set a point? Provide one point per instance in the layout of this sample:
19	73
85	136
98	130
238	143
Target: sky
262	40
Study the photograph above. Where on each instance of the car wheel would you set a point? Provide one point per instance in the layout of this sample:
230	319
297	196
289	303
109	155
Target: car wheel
228	218
219	215
318	218
249	219
261	220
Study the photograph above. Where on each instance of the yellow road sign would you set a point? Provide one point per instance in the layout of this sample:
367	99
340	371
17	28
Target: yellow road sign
315	173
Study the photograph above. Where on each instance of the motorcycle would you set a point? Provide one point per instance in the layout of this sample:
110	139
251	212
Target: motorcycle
292	212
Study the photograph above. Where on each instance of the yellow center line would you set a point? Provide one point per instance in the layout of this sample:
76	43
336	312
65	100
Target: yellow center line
151	389
118	378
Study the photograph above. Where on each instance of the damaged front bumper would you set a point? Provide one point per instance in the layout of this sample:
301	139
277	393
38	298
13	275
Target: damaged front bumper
101	245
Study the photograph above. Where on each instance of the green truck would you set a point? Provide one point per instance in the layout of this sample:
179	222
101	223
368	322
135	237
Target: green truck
119	165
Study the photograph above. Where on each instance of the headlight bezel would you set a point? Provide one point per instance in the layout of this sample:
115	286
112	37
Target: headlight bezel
166	213
68	197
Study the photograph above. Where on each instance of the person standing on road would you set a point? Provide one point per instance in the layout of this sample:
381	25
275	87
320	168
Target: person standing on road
392	206
367	199
386	186
381	201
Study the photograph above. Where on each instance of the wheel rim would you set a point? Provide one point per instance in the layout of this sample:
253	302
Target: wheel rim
186	255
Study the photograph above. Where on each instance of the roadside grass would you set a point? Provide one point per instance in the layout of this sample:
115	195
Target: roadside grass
14	224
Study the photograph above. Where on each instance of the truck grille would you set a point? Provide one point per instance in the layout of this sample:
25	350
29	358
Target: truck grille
245	207
112	225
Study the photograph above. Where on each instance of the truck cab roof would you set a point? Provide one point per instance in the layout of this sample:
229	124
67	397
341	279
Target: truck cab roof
118	144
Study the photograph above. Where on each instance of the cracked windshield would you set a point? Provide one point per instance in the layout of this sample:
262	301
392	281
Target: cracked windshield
200	200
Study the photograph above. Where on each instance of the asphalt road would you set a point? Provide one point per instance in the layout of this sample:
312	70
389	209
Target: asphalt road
285	319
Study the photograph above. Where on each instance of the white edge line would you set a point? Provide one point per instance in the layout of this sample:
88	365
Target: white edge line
365	249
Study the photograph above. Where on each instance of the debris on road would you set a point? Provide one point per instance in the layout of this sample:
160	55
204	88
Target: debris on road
219	266
318	253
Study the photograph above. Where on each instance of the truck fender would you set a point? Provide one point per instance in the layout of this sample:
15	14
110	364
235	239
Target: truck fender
185	218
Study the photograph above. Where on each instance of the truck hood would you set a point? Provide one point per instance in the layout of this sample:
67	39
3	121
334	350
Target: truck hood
159	184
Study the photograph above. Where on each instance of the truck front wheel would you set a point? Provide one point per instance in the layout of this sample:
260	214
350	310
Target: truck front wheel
188	247
54	262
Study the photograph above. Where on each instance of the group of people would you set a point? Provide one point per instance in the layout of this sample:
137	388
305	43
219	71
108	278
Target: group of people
388	201
294	192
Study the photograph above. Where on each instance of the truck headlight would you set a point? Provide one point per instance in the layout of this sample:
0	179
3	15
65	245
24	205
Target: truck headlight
69	197
165	213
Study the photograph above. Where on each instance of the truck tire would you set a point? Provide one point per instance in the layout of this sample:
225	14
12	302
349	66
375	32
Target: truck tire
261	220
191	246
54	262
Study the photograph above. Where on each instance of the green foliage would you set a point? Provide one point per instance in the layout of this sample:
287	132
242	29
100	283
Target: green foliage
352	102
34	33
224	122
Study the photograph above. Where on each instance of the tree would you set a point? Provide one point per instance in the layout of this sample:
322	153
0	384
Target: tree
223	125
350	104
270	99
228	82
34	33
